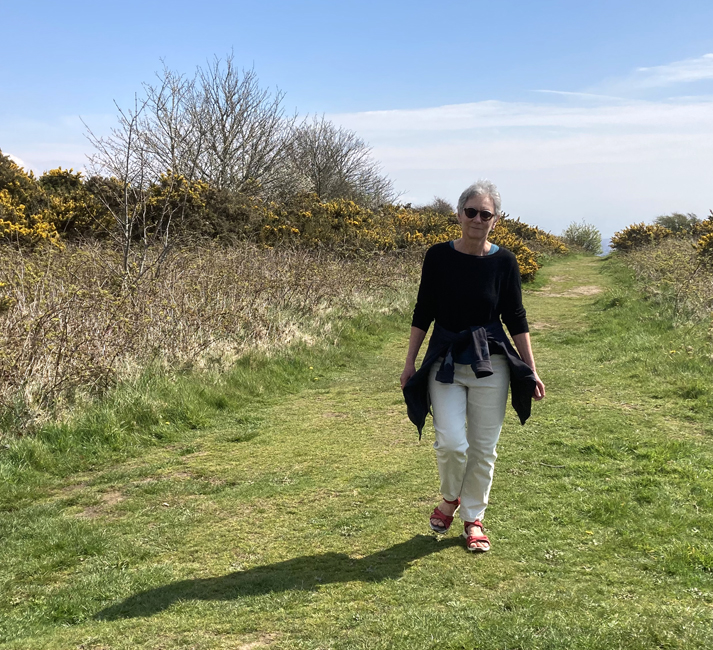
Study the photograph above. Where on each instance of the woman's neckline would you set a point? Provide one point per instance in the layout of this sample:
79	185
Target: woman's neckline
451	245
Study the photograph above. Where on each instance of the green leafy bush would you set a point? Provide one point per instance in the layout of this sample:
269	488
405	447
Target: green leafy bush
677	222
583	235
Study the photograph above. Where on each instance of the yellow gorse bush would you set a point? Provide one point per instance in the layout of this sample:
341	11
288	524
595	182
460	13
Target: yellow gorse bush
17	227
174	192
70	206
638	235
538	240
704	227
65	205
526	258
56	206
704	245
704	250
344	225
24	218
12	211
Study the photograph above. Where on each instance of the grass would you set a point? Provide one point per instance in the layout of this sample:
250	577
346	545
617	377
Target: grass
162	407
294	516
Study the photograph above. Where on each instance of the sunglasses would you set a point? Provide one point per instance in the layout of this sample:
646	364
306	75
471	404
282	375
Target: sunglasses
472	213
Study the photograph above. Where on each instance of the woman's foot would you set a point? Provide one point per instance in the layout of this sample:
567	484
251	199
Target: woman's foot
475	539
442	516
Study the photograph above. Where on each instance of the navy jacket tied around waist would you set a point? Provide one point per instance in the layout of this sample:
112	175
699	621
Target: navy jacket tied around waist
473	346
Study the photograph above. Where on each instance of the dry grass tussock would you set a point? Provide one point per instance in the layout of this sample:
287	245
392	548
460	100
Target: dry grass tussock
672	272
70	329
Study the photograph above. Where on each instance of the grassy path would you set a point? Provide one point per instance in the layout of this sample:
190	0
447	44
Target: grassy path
302	523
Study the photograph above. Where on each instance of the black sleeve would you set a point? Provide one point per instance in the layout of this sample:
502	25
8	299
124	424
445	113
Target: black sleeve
425	310
513	312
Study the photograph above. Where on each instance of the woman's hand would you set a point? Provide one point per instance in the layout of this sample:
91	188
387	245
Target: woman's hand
414	345
524	348
539	392
409	371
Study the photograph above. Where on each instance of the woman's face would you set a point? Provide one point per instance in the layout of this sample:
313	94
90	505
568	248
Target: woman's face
476	227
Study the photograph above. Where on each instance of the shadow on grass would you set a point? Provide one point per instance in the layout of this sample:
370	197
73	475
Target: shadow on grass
301	573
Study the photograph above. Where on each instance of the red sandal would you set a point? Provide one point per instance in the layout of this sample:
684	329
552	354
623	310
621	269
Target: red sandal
473	539
446	519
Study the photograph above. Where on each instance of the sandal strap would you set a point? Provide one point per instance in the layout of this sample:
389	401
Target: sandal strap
456	500
446	519
472	539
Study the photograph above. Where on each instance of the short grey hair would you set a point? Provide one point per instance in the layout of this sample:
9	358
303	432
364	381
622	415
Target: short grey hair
482	187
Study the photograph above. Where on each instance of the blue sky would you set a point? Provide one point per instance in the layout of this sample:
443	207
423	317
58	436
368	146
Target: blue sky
600	111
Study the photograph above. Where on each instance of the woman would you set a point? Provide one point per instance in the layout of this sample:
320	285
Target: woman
467	286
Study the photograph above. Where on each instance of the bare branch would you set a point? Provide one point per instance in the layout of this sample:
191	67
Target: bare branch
336	163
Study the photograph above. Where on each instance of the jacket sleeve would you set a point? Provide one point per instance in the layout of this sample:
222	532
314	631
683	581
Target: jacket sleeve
512	310
425	310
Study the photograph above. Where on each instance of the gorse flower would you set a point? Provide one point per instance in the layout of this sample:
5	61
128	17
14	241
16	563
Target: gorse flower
61	204
637	235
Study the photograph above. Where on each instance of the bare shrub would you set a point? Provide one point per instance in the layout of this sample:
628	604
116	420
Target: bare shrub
70	328
244	129
672	272
335	163
124	169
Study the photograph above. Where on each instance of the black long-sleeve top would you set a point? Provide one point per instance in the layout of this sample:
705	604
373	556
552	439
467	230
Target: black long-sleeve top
459	290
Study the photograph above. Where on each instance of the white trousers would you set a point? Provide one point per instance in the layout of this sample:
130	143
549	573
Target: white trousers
468	416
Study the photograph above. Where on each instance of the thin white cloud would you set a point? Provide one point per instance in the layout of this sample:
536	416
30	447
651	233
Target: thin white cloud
499	115
650	81
677	72
566	93
613	163
538	152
